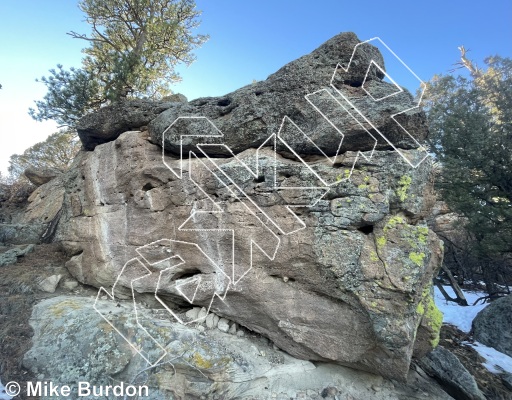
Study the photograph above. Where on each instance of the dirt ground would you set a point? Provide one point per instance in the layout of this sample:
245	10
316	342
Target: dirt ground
18	294
490	384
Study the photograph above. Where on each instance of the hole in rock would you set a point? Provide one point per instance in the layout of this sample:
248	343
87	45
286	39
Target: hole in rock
224	102
259	179
258	93
353	83
186	274
148	186
366	229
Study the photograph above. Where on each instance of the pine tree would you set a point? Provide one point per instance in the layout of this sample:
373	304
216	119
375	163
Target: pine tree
470	121
132	51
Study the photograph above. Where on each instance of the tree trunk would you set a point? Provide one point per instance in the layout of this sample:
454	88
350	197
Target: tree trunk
460	298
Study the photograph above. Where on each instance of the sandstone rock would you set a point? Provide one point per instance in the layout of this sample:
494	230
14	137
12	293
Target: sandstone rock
40	176
355	271
76	331
50	283
79	345
45	206
110	121
447	368
358	261
18	234
493	325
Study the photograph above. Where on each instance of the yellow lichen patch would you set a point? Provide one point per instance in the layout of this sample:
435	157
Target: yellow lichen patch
403	186
344	175
201	362
422	233
432	316
381	242
64	307
393	222
417	258
374	256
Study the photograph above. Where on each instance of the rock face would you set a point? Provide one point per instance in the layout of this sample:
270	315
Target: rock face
493	325
211	364
109	122
331	261
40	176
248	116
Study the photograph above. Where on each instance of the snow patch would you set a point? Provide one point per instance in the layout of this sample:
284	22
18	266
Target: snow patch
496	362
462	317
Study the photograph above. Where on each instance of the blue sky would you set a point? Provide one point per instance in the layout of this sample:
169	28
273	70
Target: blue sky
249	40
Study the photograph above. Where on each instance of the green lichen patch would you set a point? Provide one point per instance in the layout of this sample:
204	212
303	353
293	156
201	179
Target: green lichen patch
432	316
403	186
381	242
393	222
422	234
345	175
417	258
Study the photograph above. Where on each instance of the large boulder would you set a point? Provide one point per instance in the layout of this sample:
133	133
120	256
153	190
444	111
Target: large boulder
493	325
346	288
330	261
80	346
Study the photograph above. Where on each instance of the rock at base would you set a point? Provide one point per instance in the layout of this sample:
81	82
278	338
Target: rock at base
223	325
197	365
12	255
50	284
447	369
493	325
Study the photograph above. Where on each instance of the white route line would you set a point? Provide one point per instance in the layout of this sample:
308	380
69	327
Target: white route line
422	85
